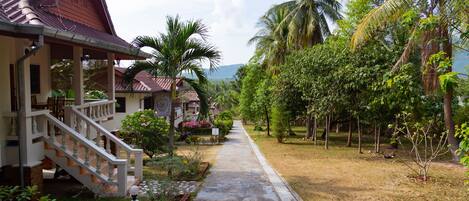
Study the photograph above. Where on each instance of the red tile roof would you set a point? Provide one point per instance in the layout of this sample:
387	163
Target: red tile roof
32	13
144	81
190	96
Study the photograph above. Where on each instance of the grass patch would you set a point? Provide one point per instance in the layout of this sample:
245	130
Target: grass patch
341	173
209	153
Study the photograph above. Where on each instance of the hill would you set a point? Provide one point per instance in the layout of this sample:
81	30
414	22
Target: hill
222	73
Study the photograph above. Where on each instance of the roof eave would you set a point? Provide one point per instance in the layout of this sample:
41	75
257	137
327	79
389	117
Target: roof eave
68	36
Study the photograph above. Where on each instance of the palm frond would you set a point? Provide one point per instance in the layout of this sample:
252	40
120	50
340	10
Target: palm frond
201	92
378	18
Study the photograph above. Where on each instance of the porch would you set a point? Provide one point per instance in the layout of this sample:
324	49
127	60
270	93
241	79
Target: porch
37	125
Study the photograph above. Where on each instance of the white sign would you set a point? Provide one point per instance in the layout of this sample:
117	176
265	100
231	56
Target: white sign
215	131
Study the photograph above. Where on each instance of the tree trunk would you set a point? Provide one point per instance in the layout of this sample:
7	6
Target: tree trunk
268	120
309	126
378	148
172	117
349	139
449	124
315	130
375	132
326	137
359	136
448	97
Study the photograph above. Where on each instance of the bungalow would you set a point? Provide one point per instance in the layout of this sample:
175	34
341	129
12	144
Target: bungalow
145	92
34	34
191	105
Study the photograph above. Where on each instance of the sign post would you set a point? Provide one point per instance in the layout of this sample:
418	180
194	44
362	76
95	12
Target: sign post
216	134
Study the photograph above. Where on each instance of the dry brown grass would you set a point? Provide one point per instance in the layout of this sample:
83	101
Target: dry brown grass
340	173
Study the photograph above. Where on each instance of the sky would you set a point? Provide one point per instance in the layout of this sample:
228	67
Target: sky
231	23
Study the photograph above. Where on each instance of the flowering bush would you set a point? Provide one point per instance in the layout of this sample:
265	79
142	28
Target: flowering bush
197	124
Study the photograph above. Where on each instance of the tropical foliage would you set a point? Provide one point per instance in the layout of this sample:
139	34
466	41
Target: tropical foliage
147	131
182	49
385	59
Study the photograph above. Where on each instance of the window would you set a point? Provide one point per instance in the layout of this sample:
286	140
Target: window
148	103
35	76
120	104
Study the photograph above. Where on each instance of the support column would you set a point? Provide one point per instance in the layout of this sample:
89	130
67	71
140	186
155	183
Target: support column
111	80
78	75
110	77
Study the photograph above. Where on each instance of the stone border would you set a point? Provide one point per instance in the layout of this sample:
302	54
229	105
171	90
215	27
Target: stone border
284	191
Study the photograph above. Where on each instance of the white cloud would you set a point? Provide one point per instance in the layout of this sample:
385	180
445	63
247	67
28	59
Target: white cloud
231	22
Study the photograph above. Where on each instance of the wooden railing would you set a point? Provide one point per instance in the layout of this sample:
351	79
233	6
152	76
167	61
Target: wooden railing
105	140
89	156
98	110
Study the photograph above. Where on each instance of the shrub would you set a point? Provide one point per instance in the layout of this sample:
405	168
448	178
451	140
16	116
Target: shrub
279	121
147	131
15	193
185	167
463	134
224	122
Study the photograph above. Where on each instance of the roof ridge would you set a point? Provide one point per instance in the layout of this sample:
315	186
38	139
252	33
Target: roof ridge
28	12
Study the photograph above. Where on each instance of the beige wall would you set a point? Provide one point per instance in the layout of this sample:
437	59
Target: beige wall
42	58
8	55
5	51
133	103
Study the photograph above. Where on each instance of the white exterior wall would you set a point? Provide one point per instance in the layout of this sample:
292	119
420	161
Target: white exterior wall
133	103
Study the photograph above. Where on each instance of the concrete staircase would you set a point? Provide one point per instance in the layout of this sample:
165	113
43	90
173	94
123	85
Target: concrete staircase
91	154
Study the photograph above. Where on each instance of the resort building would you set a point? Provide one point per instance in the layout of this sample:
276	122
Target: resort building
145	92
36	129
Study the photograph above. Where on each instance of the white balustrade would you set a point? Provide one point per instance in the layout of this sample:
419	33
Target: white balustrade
97	110
83	121
70	144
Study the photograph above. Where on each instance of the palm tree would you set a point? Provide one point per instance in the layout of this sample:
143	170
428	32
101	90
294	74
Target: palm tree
271	40
432	28
306	20
182	49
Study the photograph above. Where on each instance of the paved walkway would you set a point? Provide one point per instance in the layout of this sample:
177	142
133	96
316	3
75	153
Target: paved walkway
241	173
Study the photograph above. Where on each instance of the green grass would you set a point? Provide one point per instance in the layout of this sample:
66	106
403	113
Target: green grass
341	173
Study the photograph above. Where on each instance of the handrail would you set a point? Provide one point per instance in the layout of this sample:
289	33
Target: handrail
76	117
84	141
94	103
101	129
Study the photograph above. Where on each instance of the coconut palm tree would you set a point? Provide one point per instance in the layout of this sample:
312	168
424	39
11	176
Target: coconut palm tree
306	20
271	39
182	49
432	23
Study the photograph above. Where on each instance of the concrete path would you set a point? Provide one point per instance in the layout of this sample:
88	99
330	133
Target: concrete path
241	173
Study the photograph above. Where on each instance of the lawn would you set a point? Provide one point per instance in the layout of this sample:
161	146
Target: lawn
341	173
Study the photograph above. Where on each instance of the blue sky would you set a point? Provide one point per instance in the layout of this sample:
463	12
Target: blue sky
231	22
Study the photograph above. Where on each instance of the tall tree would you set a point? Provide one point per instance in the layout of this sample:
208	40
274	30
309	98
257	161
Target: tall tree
182	49
271	40
432	23
306	20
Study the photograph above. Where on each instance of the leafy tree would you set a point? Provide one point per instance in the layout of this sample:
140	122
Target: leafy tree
147	131
432	24
182	49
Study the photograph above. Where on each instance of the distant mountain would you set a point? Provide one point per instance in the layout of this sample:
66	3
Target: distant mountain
222	73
